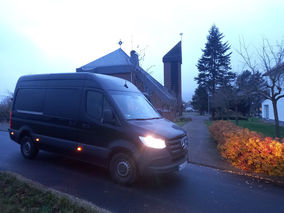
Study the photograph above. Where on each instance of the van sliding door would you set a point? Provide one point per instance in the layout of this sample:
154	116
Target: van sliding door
61	111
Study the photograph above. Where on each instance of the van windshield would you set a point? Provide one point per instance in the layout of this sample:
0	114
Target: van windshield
134	106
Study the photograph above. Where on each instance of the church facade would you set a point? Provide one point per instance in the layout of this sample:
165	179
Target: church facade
166	99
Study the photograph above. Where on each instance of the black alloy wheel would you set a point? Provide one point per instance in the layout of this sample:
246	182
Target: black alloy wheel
123	169
29	149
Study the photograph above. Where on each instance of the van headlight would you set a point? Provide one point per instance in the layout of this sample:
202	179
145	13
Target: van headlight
156	143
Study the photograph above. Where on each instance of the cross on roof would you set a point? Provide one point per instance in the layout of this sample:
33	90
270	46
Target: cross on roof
181	34
120	43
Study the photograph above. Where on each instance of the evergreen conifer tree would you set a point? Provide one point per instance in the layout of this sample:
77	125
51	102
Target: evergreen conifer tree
214	65
200	100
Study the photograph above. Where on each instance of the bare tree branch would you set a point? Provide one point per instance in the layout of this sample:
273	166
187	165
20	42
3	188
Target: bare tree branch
243	52
280	96
271	60
149	69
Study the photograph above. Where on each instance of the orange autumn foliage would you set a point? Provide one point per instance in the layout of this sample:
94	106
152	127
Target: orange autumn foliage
248	150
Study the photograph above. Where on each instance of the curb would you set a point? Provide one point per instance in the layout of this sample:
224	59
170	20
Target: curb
73	199
243	173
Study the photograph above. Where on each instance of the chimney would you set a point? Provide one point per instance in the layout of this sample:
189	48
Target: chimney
134	58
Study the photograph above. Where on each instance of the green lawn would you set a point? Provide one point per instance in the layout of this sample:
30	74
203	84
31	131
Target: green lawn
20	196
180	123
182	120
259	126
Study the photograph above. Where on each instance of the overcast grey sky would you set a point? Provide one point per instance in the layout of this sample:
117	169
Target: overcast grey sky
58	36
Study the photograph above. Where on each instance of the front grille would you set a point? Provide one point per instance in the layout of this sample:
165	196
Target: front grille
175	148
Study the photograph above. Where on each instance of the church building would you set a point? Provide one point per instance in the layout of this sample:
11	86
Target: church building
166	99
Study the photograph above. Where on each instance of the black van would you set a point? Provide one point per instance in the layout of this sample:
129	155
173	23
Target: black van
96	118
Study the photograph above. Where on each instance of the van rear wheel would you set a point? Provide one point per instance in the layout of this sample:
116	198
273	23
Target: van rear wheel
123	169
28	148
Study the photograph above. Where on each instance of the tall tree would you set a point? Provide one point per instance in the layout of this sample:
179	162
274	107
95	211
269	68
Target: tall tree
214	64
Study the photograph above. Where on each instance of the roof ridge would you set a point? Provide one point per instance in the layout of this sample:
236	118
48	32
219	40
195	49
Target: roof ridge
114	58
158	85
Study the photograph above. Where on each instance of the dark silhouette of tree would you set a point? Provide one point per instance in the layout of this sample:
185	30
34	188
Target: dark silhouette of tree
5	107
222	102
200	100
250	85
214	64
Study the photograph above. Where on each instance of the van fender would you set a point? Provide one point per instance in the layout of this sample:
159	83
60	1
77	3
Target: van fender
23	131
123	146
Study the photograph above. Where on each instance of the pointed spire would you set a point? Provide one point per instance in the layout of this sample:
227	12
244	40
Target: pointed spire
174	55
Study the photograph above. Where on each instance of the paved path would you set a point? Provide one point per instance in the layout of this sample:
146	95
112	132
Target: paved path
203	150
195	189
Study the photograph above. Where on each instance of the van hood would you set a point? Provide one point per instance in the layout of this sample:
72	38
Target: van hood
159	127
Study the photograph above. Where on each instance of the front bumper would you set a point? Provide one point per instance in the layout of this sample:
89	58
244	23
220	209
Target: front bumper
176	166
160	162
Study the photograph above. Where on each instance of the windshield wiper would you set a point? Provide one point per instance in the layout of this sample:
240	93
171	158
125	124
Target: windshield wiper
142	119
154	118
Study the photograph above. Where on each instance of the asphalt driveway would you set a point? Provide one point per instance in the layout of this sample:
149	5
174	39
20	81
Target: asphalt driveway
195	189
203	150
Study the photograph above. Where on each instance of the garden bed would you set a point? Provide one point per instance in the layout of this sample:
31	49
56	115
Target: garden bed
249	150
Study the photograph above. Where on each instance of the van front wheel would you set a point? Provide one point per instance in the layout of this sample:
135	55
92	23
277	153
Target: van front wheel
123	169
28	149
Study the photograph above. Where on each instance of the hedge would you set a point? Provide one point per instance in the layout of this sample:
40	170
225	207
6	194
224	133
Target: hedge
249	150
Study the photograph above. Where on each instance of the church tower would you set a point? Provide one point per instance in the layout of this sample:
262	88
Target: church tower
172	72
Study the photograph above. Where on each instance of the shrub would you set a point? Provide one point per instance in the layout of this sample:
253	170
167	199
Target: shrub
5	105
248	150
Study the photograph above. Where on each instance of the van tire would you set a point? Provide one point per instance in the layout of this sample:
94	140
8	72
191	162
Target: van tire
29	149
123	169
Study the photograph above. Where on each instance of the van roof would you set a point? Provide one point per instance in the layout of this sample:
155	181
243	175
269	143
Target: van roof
105	82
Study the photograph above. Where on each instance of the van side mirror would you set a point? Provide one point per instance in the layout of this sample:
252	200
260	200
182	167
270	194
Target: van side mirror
108	117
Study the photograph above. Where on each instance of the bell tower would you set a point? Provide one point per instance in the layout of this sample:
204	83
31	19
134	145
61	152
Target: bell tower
172	72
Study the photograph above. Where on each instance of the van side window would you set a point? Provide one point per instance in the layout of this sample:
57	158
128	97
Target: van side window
63	102
95	104
29	100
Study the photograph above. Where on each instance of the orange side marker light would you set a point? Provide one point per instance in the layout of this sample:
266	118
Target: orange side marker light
37	139
79	148
12	133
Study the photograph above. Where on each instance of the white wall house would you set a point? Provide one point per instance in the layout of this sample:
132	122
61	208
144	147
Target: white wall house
267	108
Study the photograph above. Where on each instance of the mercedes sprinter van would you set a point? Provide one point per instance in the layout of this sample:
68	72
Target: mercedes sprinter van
95	118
